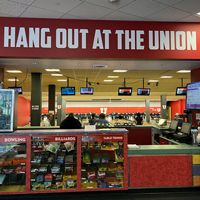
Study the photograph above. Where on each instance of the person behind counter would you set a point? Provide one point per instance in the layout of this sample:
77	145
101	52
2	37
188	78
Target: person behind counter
121	120
102	119
138	120
70	122
92	120
47	120
180	121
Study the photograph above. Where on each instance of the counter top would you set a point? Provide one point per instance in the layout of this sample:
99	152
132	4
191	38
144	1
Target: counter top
65	131
164	149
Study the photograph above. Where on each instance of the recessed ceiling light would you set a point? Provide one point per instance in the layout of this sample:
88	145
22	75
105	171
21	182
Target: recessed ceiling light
152	81
166	76
61	80
14	71
120	71
52	70
113	76
184	71
33	63
13	79
56	75
108	80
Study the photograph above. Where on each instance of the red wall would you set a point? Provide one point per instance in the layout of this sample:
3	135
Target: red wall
195	76
23	111
108	111
177	107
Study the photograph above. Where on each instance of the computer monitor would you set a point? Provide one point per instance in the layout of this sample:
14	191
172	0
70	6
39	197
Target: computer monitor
173	125
124	91
186	128
19	89
67	90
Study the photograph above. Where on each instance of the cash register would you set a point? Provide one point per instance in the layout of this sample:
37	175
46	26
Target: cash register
172	129
185	135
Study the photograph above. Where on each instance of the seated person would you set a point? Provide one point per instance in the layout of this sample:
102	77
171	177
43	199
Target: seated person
138	120
121	120
70	122
47	120
180	121
92	120
102	119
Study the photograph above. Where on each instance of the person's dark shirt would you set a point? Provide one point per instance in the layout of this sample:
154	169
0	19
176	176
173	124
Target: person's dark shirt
92	121
138	120
70	123
180	121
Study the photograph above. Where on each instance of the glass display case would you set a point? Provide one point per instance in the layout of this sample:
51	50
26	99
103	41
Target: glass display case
53	163
102	161
8	110
12	164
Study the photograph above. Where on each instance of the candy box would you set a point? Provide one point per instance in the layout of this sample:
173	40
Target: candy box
102	167
69	159
2	160
101	175
68	168
69	146
51	159
86	157
116	145
48	178
60	160
47	185
102	184
20	170
120	167
84	144
18	159
59	185
96	158
57	177
8	161
91	175
91	144
55	169
119	155
70	184
119	175
104	158
36	186
42	169
115	185
112	166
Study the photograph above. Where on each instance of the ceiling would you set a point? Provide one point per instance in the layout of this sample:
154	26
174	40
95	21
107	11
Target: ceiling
129	10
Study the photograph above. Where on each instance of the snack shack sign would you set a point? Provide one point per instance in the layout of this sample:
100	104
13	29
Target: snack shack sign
89	39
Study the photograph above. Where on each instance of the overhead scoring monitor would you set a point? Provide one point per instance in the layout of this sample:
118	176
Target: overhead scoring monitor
67	90
143	91
125	91
181	91
19	89
86	90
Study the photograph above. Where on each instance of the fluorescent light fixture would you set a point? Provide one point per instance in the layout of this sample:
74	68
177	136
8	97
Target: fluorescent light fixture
14	71
61	80
152	81
52	70
166	76
12	79
108	80
198	13
120	70
56	75
113	76
184	71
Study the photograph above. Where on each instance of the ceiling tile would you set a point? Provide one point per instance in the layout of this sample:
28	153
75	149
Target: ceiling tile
57	5
90	11
5	15
168	14
192	6
107	4
12	8
168	2
120	16
191	18
67	16
142	8
40	13
27	2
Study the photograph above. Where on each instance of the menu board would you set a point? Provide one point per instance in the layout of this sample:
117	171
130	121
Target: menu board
193	96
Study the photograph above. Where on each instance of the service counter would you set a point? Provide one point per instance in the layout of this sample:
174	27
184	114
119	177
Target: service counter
60	160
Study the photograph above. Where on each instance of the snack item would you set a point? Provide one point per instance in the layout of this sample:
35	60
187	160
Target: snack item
57	177
2	160
52	147
8	161
115	185
60	160
48	178
39	178
69	159
86	157
68	168
59	185
96	158
104	158
55	169
8	171
20	170
69	146
18	159
42	169
70	184
101	184
119	175
120	167
91	175
101	175
47	185
51	159
84	144
35	186
119	155
102	167
112	167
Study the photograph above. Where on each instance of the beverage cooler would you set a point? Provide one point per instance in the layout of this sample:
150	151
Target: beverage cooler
8	110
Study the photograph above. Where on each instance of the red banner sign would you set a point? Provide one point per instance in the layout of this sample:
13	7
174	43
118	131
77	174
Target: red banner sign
11	139
54	139
102	138
88	39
